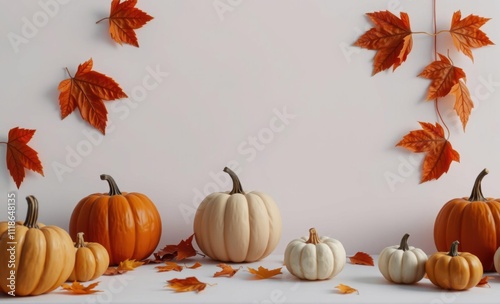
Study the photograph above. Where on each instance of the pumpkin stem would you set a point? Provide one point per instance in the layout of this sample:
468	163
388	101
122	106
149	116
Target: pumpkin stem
237	188
313	237
454	249
404	243
80	242
477	193
32	213
113	187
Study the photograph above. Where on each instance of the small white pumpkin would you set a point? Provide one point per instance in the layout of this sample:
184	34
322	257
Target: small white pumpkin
315	258
402	264
496	260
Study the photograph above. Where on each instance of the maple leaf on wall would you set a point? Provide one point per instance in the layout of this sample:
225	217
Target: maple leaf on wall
440	153
124	18
20	156
391	38
87	91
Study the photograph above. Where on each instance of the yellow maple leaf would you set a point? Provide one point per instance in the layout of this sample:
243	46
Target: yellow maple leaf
77	288
346	289
264	273
129	265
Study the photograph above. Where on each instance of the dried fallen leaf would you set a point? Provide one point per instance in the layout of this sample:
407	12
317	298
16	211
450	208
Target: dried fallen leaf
187	284
129	265
124	18
194	266
463	102
264	273
77	288
484	281
87	91
361	258
227	270
391	38
466	33
114	271
20	156
169	266
178	252
346	289
440	153
444	76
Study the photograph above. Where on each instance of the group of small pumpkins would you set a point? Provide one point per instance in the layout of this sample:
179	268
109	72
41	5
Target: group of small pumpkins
236	227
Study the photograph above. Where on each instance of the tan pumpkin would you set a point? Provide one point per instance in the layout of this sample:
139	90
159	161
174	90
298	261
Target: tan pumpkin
237	226
91	260
40	259
496	260
454	270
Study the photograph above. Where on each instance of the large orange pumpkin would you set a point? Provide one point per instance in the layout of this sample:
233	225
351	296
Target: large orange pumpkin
128	225
473	221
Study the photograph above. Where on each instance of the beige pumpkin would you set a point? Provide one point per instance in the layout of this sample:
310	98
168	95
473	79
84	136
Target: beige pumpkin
91	260
496	260
237	226
315	258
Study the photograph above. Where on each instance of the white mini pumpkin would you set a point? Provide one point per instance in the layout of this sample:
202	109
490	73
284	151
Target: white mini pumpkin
237	226
402	264
315	258
496	260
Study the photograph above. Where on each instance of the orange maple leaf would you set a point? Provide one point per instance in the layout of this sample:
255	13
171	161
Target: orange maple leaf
463	102
87	91
484	281
124	18
361	258
444	76
391	38
466	33
346	289
227	270
169	266
264	273
114	271
179	252
20	156
194	266
440	153
187	284
129	265
77	288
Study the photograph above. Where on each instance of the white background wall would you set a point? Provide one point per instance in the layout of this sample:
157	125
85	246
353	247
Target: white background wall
228	75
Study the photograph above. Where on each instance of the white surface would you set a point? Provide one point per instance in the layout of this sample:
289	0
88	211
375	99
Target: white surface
146	285
228	75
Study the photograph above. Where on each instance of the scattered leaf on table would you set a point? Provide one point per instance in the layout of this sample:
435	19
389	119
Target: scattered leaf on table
227	270
124	18
114	271
129	264
187	284
87	91
194	266
20	156
361	258
264	273
169	266
463	102
178	252
77	288
443	75
440	153
345	289
391	38
466	33
484	281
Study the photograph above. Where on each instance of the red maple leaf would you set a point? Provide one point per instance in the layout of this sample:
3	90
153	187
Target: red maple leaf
20	156
444	76
466	33
439	151
391	38
87	91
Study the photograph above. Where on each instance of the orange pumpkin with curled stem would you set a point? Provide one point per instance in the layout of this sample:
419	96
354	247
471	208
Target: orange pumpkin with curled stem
473	221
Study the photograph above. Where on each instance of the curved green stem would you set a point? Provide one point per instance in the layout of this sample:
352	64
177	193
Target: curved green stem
237	188
477	192
32	213
404	243
454	249
113	187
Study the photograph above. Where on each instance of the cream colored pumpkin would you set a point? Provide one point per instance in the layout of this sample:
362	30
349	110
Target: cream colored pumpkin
315	258
402	264
496	260
237	226
91	260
